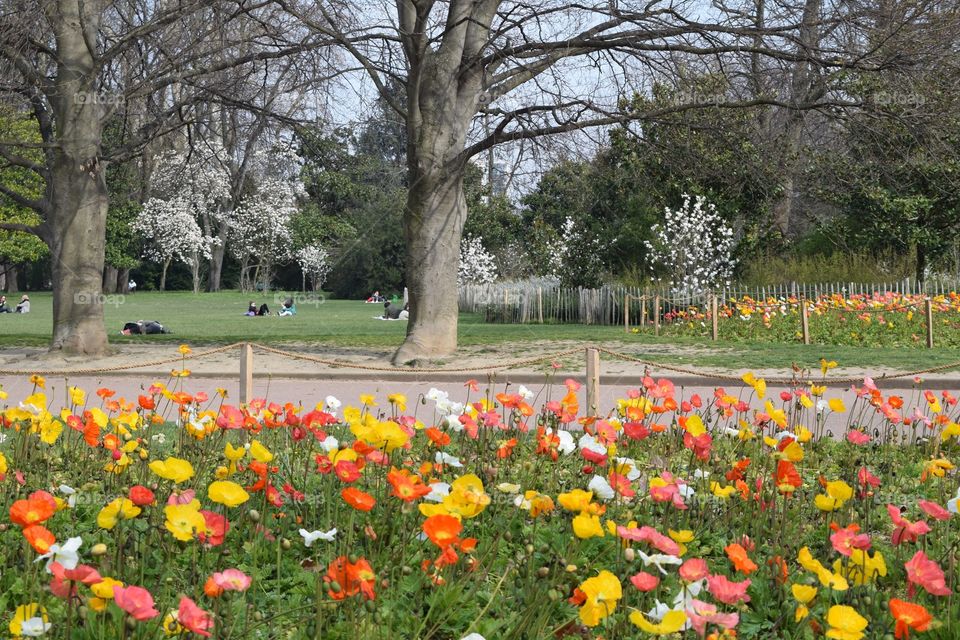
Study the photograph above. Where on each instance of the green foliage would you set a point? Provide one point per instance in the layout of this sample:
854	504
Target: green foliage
774	269
122	245
16	246
356	208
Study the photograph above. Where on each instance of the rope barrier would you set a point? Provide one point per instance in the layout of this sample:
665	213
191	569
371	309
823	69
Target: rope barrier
339	364
120	367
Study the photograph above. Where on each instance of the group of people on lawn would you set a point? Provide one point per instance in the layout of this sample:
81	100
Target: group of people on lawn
288	308
22	307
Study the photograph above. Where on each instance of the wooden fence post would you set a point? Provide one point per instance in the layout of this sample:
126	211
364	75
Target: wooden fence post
246	373
656	315
540	304
626	313
929	310
804	321
716	320
593	381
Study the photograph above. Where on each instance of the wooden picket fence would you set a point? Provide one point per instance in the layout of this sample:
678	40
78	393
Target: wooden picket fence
524	302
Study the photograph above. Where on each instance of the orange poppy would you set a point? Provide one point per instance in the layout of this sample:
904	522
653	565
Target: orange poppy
211	589
909	616
39	537
442	529
359	500
407	486
741	561
437	437
34	510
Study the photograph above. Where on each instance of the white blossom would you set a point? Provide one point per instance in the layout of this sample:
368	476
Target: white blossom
694	246
477	265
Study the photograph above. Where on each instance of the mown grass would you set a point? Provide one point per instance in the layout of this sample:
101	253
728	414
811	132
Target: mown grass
217	318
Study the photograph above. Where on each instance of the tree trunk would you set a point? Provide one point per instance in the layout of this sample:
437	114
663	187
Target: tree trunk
216	266
433	223
195	271
163	275
109	279
123	281
75	229
12	276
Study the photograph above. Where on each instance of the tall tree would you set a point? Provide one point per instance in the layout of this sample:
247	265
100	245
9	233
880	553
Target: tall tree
74	64
530	69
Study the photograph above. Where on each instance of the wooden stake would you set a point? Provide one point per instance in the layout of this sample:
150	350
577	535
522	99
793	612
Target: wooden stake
246	373
716	320
929	305
540	304
804	321
626	313
656	315
593	382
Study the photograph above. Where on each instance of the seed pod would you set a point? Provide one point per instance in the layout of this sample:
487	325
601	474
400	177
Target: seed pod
254	515
286	544
335	587
543	572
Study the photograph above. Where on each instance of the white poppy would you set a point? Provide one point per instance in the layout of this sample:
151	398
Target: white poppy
309	537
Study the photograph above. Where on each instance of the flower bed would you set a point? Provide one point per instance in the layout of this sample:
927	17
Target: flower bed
887	320
719	517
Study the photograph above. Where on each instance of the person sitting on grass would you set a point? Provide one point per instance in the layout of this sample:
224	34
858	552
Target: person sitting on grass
287	308
264	310
252	309
3	305
24	305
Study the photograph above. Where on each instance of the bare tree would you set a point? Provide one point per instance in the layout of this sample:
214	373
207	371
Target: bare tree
478	73
75	65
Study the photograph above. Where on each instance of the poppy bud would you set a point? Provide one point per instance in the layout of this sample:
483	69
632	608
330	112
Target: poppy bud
98	549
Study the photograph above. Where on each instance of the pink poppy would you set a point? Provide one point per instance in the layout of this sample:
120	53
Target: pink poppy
232	580
904	530
230	417
193	618
934	510
694	569
136	601
182	497
727	591
926	573
847	539
648	534
644	581
855	436
700	614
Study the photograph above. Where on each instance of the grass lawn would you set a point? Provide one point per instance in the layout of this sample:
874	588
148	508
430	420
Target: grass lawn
211	318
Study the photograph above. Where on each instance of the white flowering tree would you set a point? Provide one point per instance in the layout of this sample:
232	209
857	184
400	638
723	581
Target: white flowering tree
170	232
477	265
693	246
260	230
188	191
314	262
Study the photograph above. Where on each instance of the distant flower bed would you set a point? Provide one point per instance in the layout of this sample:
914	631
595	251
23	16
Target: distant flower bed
720	516
875	320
